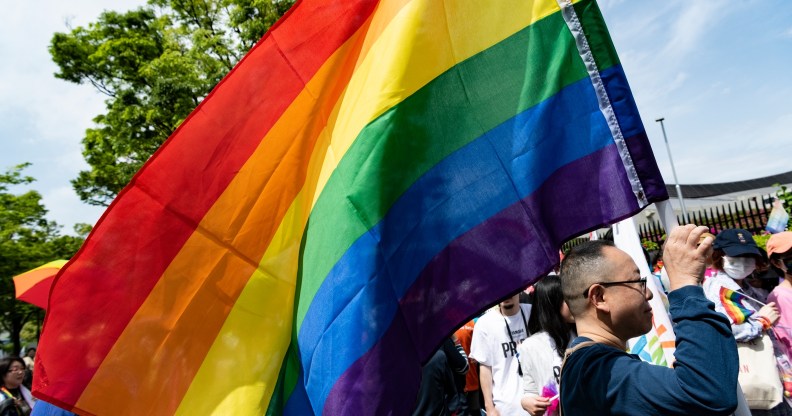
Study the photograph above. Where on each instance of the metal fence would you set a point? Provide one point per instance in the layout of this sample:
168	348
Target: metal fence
576	241
750	214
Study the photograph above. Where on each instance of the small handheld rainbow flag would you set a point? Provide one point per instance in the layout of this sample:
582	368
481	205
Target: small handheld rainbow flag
550	391
732	302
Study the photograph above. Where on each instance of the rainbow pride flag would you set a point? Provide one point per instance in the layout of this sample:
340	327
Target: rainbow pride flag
733	304
369	177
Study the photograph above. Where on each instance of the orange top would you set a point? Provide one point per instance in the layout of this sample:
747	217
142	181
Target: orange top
465	337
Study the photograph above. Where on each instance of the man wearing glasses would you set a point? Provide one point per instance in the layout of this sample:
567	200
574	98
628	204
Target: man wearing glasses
610	303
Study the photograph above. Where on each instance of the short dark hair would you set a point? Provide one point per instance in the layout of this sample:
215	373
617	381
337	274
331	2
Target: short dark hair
582	267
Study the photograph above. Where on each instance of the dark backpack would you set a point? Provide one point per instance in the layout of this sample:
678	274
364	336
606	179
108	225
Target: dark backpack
8	406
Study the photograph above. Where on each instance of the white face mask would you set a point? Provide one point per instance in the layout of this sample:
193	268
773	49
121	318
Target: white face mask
739	268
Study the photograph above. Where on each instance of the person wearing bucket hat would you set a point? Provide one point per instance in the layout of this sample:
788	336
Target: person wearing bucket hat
735	256
779	248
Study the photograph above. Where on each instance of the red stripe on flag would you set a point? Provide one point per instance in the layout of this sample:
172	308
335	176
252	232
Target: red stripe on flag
147	225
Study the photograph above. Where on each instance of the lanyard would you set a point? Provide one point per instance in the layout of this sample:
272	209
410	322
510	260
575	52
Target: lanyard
7	393
508	331
11	396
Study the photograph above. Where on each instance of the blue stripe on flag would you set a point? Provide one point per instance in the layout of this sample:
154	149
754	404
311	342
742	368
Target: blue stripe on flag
360	295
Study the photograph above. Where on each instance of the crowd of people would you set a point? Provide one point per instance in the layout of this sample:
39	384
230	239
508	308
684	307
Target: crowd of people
561	346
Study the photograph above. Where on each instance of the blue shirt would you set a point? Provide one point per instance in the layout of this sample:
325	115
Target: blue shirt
604	380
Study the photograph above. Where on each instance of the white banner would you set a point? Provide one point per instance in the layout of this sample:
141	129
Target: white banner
658	345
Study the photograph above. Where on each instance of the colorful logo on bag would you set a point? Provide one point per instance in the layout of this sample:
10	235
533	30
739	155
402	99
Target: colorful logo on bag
732	302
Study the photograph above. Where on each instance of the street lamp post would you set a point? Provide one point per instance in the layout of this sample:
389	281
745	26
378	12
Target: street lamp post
673	170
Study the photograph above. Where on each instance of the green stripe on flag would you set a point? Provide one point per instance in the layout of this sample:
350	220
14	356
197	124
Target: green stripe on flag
468	100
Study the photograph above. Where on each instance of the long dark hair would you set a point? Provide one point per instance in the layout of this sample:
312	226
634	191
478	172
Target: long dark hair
546	313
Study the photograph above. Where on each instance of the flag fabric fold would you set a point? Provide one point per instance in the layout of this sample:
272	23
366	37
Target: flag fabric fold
369	177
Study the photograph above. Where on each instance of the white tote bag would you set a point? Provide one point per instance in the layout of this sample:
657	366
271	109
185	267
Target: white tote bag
758	373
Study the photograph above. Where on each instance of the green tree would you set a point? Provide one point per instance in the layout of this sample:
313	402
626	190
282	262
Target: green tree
155	64
27	240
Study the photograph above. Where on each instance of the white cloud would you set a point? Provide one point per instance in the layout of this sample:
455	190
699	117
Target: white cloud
712	70
65	207
688	29
741	149
609	4
656	45
42	118
71	161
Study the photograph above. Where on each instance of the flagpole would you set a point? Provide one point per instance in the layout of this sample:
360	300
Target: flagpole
753	299
673	170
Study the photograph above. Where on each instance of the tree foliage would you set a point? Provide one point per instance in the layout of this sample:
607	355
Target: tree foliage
155	64
27	240
785	195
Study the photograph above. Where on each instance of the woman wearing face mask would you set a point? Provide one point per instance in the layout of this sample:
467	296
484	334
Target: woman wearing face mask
735	257
779	248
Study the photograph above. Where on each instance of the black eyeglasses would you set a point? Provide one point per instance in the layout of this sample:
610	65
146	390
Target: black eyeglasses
642	281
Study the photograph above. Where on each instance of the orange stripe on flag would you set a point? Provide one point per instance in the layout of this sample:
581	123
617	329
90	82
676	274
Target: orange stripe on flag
179	321
26	280
137	239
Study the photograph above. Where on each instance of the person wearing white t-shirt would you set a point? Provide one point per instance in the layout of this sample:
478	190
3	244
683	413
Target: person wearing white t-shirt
496	337
552	328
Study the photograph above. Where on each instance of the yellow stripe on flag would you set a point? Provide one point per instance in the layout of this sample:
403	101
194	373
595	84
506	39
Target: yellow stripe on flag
382	80
283	251
217	267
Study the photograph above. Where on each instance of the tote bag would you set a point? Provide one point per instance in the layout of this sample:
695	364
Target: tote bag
758	373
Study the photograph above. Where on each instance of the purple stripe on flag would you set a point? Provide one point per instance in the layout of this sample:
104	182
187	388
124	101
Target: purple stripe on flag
629	120
506	252
645	165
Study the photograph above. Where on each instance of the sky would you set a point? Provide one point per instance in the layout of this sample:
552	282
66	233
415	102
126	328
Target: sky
718	71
